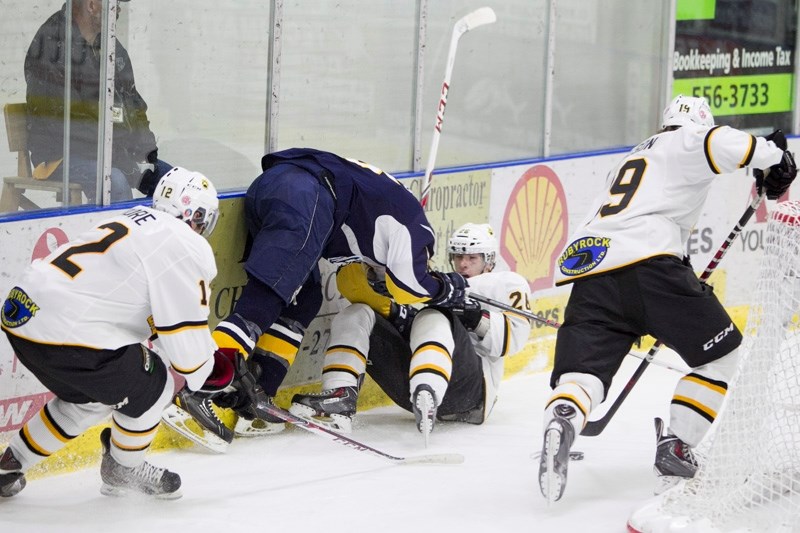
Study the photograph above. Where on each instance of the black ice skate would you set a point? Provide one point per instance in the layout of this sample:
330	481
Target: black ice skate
332	408
213	434
554	461
674	459
145	479
12	480
424	404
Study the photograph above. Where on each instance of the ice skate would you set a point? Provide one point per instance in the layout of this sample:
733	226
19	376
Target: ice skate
212	433
554	461
424	404
12	480
332	408
248	425
674	459
145	479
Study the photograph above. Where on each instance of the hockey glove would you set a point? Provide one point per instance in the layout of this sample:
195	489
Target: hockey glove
401	317
470	314
778	178
453	289
779	139
222	374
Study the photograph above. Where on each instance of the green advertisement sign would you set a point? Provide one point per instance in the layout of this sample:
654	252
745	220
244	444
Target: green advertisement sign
739	55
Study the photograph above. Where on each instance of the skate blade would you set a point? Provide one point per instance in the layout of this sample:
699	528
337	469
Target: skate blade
178	420
664	483
550	482
334	422
256	428
125	492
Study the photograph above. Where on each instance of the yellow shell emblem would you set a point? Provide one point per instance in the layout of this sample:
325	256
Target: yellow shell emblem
535	226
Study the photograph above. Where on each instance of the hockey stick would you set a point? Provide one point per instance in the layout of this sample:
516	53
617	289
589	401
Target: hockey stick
595	427
479	17
265	410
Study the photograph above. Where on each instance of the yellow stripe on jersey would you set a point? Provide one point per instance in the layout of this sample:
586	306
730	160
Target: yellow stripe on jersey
707	149
186	370
436	368
716	388
696	405
434	347
401	295
182	326
278	346
506	335
50	424
135	433
32	444
223	340
749	154
346	349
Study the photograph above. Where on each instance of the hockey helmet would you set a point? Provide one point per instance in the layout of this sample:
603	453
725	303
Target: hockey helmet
684	110
189	196
474	239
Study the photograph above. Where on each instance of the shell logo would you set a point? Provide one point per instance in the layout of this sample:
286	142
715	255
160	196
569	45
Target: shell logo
535	226
48	241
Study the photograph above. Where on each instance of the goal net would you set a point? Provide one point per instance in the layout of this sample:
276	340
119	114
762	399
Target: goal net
749	475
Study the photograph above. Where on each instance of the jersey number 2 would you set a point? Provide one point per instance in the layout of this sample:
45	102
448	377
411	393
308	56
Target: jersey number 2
64	261
625	185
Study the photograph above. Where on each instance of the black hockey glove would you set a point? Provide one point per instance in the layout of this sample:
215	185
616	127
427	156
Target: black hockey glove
453	289
401	317
470	314
778	178
779	139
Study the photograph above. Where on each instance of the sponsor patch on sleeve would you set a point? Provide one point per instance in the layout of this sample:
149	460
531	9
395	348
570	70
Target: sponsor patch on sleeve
583	254
18	308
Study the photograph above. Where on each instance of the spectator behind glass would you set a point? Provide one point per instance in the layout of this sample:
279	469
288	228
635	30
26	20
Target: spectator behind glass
135	162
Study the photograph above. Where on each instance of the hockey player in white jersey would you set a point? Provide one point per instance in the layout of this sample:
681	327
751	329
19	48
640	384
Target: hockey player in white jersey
625	263
77	320
447	366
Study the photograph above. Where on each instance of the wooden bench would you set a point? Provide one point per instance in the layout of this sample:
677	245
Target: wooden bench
13	196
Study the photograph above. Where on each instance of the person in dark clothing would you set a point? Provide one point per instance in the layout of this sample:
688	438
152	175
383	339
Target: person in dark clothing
135	162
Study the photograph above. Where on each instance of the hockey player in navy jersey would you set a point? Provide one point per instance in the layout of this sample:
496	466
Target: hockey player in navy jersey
443	363
306	205
76	319
625	263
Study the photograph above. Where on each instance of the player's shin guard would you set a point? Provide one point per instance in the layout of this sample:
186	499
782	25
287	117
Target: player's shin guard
699	396
132	436
432	347
57	423
346	359
582	391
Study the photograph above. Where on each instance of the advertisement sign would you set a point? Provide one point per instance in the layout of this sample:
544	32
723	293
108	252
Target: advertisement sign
739	55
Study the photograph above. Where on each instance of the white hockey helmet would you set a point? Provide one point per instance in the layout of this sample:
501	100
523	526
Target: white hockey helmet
474	239
189	196
684	110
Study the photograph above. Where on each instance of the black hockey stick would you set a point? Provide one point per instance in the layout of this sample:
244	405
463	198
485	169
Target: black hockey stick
265	410
595	427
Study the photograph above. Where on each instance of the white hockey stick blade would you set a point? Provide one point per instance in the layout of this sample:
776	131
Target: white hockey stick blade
178	419
434	458
479	17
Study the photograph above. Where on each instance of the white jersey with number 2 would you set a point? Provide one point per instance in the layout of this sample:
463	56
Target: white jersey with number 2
140	273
